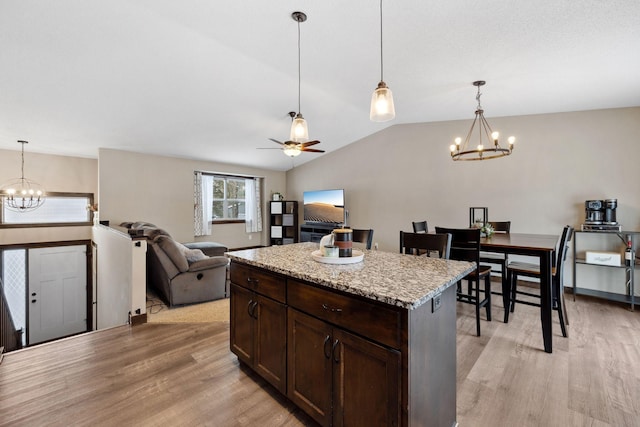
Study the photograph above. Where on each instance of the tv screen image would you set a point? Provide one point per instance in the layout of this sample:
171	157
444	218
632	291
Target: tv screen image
324	206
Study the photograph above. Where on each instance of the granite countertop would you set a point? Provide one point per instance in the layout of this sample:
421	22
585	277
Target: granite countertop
406	281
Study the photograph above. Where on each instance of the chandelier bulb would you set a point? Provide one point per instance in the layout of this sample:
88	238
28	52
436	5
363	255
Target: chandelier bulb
512	139
495	136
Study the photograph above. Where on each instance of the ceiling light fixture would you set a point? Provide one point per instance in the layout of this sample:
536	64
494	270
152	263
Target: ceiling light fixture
299	129
461	151
22	194
382	108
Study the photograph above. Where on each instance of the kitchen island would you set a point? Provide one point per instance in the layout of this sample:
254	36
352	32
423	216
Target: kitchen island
370	343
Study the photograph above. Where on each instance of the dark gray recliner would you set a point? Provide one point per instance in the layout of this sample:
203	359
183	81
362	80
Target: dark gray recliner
183	275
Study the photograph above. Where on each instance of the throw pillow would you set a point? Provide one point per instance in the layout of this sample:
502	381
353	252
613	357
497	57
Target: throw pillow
194	255
174	251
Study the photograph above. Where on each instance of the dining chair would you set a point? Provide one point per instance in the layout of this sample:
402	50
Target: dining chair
465	246
363	236
495	259
516	269
427	244
420	227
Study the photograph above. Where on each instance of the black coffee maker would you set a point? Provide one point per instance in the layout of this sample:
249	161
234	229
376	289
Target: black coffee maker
594	212
600	215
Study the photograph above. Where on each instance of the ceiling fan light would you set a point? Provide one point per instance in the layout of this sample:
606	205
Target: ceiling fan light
382	108
292	150
299	129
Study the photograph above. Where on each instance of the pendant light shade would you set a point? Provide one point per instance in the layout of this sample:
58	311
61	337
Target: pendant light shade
299	129
382	108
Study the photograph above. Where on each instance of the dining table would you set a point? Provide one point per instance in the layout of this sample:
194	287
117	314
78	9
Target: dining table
542	246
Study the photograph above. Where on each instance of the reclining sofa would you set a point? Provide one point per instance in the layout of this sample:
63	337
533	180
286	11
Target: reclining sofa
181	274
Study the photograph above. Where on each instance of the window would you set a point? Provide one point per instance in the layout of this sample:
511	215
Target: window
228	198
59	209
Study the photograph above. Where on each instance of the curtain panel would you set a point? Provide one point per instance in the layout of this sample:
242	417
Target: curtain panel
253	203
203	204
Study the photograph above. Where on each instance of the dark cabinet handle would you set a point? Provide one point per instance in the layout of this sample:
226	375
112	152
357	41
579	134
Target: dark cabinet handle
33	301
334	349
249	307
327	350
253	310
33	294
252	280
333	310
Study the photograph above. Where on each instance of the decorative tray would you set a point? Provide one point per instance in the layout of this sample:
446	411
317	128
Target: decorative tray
356	256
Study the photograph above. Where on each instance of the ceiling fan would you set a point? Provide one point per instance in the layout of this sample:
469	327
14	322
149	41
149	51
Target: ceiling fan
292	148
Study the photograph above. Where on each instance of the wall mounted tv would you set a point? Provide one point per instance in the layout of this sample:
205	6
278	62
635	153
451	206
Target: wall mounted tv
324	206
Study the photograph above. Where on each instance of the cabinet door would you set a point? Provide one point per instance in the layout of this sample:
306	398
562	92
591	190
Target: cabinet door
271	342
309	365
242	323
366	379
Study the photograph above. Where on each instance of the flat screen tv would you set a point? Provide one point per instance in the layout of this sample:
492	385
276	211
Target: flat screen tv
324	206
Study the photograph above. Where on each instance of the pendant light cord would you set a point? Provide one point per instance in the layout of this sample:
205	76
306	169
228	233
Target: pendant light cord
299	72
381	62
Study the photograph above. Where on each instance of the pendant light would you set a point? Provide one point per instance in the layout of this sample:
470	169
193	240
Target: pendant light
463	151
299	128
382	108
22	194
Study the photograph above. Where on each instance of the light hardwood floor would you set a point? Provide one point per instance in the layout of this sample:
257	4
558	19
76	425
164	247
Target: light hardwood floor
184	374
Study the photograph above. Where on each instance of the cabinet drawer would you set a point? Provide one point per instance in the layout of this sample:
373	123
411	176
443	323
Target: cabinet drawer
259	280
376	321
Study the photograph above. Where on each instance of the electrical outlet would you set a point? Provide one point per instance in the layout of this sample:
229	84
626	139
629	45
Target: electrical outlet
250	236
375	246
436	302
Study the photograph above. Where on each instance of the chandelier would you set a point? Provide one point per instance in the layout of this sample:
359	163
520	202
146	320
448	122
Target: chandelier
299	129
22	194
461	151
382	108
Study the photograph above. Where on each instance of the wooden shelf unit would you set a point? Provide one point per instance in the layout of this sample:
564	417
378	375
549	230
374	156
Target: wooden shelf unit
283	222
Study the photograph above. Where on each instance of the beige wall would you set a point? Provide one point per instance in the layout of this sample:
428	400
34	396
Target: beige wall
404	173
157	189
54	173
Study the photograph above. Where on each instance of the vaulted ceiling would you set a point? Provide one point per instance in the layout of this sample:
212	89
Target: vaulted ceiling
213	80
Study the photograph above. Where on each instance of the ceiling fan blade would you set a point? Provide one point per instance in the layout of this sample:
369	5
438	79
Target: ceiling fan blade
276	141
310	143
311	150
268	148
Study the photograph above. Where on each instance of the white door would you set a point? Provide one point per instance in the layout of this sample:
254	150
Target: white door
57	300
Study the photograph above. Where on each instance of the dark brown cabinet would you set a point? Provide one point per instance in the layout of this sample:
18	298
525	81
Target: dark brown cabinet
344	359
339	378
258	325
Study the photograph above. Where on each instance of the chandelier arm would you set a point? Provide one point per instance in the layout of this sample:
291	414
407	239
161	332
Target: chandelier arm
467	140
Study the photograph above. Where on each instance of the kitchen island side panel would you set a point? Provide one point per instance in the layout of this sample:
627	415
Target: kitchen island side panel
431	363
